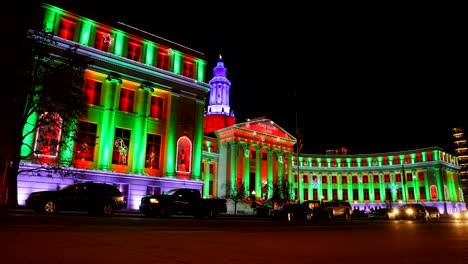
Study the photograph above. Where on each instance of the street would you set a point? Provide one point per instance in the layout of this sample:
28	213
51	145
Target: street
78	238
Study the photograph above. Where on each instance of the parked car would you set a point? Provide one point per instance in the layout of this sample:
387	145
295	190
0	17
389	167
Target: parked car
94	198
292	212
334	209
433	212
411	212
461	215
380	213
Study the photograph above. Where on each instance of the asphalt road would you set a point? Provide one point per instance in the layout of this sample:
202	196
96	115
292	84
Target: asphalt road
78	238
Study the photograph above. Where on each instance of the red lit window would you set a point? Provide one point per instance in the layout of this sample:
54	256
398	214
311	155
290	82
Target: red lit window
325	194
314	178
203	167
430	157
409	177
211	168
344	179
121	146
93	91
333	163
353	163
324	163
355	179
365	179
376	178
134	51
156	107
85	142
127	100
387	178
324	179
377	194
153	147
366	194
189	69
343	163
314	163
67	29
163	60
345	194
418	157
421	176
102	41
397	177
385	161
295	178
335	194
305	179
334	180
364	163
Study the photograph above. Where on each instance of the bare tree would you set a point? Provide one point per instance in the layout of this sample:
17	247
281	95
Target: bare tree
46	102
237	194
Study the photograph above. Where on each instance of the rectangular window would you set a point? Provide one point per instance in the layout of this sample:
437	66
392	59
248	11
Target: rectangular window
295	178
345	194
314	178
48	135
324	179
334	179
344	179
163	60
153	150
377	194
355	180
409	177
153	190
93	90
376	178
134	51
355	194
335	194
411	193
306	194
212	168
127	100
102	41
387	178
85	142
121	146
305	179
210	188
421	175
397	177
325	194
366	194
156	108
67	29
203	167
422	193
388	195
399	194
353	163
365	179
189	69
315	194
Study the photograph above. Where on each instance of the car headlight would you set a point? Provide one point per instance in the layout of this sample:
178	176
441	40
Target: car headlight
456	215
154	200
409	211
395	211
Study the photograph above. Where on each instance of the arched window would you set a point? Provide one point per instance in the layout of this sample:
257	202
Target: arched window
184	154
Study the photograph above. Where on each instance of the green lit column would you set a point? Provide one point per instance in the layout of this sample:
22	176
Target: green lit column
439	183
171	132
329	186
426	185
393	188
300	180
207	177
290	172
360	188
140	128
28	136
270	170
280	165
66	150
258	170
382	187
320	187
233	173
198	140
221	172
245	159
371	188
415	187
106	128
340	186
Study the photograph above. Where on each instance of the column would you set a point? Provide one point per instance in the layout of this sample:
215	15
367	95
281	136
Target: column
222	170
106	129
233	173
270	170
300	185
140	128
206	180
198	140
171	139
258	171
246	161
290	172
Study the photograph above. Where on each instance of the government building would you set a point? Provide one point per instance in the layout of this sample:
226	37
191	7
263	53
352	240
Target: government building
155	123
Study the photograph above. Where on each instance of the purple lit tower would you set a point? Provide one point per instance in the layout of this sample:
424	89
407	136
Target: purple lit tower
219	113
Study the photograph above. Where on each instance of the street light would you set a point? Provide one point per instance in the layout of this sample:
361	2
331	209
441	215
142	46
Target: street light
253	198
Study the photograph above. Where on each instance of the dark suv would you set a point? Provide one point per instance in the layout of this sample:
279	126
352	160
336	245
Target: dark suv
334	209
94	198
412	212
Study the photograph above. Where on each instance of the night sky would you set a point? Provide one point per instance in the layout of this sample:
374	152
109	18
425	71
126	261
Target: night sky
369	78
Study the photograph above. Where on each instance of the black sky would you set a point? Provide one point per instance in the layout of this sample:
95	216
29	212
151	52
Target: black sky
372	78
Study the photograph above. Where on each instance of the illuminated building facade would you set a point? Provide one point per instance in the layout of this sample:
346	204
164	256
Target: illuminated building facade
461	149
148	131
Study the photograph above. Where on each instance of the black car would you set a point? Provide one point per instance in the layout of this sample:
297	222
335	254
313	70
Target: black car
94	198
380	213
412	212
293	212
433	212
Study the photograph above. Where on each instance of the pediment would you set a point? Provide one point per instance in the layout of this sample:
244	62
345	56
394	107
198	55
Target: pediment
265	126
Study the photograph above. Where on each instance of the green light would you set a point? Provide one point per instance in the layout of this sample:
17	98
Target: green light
119	43
201	66
177	59
149	54
86	32
28	137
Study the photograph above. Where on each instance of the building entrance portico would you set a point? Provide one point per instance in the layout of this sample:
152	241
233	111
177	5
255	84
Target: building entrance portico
258	154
